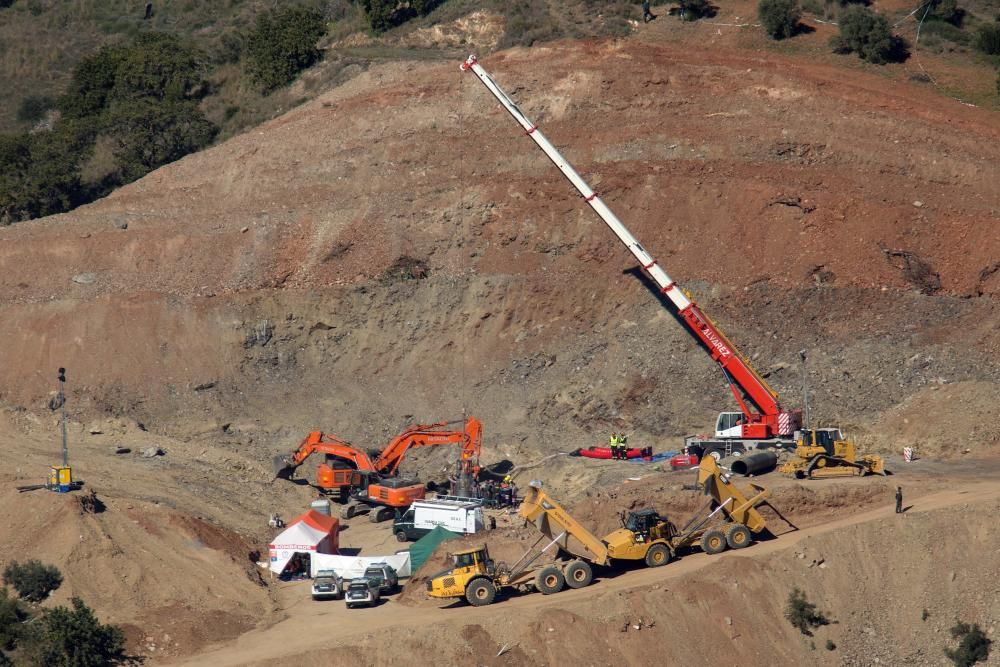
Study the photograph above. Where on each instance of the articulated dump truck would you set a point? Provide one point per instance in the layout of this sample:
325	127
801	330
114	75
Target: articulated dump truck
644	536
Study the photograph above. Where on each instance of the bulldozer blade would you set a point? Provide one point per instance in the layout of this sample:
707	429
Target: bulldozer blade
283	468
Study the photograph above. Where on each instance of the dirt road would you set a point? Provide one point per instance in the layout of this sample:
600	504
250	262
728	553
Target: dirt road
311	626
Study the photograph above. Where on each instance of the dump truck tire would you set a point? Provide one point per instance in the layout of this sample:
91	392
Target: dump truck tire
401	535
657	555
579	574
550	580
738	536
480	592
713	542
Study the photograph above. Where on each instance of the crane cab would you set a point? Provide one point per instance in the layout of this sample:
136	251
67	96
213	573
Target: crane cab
729	425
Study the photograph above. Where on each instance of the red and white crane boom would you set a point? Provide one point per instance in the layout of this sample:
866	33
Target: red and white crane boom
746	384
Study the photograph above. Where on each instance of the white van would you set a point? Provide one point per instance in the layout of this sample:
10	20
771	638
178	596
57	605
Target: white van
464	517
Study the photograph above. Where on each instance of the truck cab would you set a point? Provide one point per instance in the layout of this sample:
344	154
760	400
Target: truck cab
639	530
466	565
463	517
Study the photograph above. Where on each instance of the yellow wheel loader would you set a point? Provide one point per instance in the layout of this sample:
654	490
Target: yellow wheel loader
644	536
823	452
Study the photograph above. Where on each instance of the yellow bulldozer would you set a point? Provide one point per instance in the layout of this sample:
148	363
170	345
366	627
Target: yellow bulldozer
824	452
644	536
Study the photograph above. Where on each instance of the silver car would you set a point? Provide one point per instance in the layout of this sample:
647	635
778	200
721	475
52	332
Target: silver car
328	585
362	592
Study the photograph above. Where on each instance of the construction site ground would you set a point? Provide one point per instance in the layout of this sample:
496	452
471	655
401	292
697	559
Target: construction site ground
396	251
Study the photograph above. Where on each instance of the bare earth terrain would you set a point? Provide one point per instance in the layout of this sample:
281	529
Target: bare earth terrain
396	251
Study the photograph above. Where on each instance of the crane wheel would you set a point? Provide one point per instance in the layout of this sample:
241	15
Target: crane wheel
713	542
578	574
738	536
549	580
480	592
657	555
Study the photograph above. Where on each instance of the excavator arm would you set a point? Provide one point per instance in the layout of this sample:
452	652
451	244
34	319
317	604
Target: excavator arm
426	435
317	441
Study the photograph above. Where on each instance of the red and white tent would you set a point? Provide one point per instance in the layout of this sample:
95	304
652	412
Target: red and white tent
310	532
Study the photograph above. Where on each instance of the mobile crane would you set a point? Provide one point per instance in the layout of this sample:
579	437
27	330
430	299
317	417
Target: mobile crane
761	421
358	480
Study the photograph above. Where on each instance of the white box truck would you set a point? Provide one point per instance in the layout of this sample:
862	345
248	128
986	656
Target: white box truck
464	517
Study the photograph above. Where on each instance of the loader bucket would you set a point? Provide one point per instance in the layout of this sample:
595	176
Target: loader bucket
283	468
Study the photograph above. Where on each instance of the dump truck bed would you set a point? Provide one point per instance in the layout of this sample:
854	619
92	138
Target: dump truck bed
552	520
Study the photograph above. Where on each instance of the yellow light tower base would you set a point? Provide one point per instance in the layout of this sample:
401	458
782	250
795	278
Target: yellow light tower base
60	479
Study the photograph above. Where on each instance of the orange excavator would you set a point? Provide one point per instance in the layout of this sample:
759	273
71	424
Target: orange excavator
358	480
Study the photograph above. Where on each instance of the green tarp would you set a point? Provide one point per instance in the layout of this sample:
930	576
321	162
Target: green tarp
425	546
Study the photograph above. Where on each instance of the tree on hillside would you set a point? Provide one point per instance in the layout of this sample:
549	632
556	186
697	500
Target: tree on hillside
11	617
74	637
32	580
988	39
780	18
868	34
40	173
92	83
944	10
282	44
692	10
147	134
141	98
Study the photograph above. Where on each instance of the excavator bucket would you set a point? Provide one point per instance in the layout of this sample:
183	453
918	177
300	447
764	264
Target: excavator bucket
283	468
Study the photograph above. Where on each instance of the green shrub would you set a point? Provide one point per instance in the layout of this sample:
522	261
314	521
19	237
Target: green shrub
74	637
973	645
945	10
803	614
830	646
33	580
33	108
814	7
11	617
40	173
148	134
282	44
866	33
988	39
692	10
945	30
780	18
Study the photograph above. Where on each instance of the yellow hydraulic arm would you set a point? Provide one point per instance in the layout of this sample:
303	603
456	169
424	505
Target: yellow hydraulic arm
737	506
553	521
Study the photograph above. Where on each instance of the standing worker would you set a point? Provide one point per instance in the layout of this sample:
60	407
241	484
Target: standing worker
899	500
623	445
613	445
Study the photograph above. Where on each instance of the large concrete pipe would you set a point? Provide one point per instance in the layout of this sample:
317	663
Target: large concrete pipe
754	464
